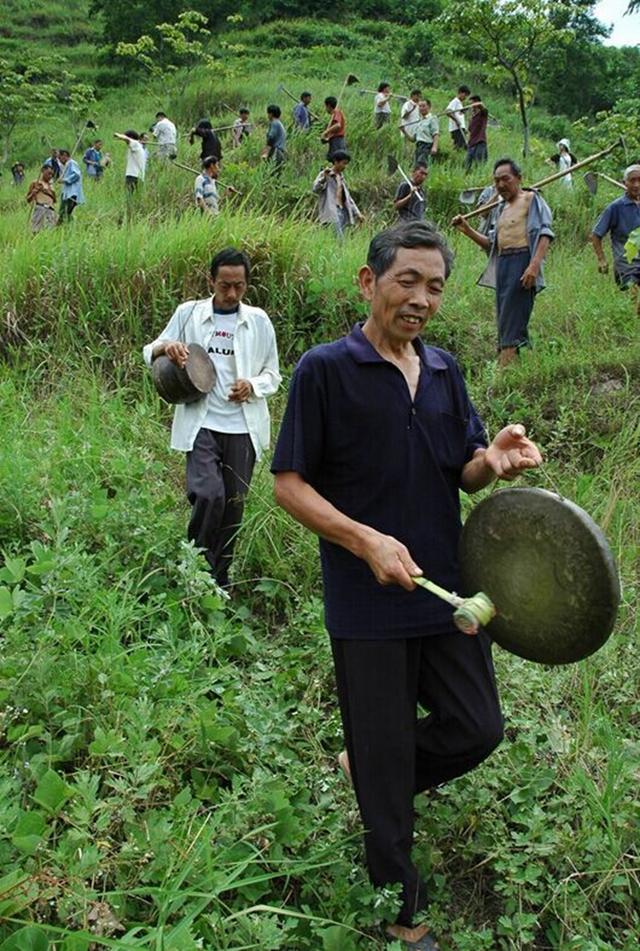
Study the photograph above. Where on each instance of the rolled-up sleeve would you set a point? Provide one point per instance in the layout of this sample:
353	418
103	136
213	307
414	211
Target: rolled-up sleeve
266	382
173	331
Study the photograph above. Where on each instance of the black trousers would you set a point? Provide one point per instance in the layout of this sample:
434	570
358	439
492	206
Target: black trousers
219	470
67	206
393	754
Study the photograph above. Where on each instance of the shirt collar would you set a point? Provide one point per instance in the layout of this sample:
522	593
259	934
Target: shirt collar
208	311
363	351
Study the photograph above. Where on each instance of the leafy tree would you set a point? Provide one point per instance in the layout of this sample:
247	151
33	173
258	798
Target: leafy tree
178	45
510	35
25	93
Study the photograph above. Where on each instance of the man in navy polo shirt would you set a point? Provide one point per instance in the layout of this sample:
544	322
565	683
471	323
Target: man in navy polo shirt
377	439
619	219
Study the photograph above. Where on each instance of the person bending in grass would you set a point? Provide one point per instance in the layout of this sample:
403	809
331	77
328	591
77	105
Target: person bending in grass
619	219
225	432
377	439
516	252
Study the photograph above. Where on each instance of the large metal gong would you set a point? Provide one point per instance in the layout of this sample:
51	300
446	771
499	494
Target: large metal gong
547	568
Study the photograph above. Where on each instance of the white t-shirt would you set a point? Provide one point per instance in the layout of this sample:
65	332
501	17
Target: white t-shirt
455	106
408	114
136	159
380	105
165	132
224	415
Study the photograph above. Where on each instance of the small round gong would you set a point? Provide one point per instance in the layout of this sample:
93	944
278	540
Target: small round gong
184	384
547	568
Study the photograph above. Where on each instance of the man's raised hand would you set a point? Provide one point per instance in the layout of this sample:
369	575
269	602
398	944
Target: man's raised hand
511	452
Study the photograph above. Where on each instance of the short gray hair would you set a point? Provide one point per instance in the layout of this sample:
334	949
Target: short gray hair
410	234
629	169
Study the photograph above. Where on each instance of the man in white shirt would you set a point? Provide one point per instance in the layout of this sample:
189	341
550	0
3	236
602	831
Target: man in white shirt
409	116
455	111
165	134
382	106
224	433
136	159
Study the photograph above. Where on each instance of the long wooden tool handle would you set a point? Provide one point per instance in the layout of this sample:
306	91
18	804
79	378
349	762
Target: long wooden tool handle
408	181
608	178
546	181
188	168
293	99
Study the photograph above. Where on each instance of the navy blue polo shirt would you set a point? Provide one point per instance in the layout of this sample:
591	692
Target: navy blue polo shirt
352	432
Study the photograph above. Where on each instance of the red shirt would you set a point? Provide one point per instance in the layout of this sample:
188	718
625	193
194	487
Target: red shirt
337	117
478	126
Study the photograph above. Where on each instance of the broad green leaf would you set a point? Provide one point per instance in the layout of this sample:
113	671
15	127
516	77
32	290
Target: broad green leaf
26	939
29	832
6	603
51	791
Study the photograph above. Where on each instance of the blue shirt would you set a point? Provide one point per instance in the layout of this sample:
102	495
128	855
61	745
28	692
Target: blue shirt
352	432
620	218
72	182
301	117
92	158
276	136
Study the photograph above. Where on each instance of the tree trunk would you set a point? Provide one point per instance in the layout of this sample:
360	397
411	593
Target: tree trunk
523	113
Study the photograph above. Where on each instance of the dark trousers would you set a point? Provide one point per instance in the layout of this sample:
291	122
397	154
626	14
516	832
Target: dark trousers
219	470
514	303
458	138
131	183
423	154
67	206
393	754
476	153
336	144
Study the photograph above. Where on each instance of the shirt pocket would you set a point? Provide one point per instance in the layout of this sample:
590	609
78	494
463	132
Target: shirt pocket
451	441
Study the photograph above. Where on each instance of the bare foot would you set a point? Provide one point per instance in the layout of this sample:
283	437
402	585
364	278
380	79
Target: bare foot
410	935
506	356
343	762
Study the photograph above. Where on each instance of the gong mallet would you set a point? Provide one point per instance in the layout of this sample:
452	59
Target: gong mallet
469	613
550	178
393	167
187	168
283	88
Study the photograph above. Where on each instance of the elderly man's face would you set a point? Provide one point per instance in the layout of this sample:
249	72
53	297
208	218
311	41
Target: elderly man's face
632	185
406	295
507	182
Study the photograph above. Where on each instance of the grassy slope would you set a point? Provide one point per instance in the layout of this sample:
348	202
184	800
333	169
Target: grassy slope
196	739
65	27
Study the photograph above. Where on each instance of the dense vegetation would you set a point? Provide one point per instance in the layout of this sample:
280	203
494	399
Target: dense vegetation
167	756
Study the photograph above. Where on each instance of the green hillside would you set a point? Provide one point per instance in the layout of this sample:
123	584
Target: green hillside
168	756
65	28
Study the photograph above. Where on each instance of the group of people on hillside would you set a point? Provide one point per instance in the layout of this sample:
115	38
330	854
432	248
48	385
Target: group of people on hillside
516	235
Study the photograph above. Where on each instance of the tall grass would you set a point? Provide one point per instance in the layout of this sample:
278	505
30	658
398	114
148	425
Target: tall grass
168	757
